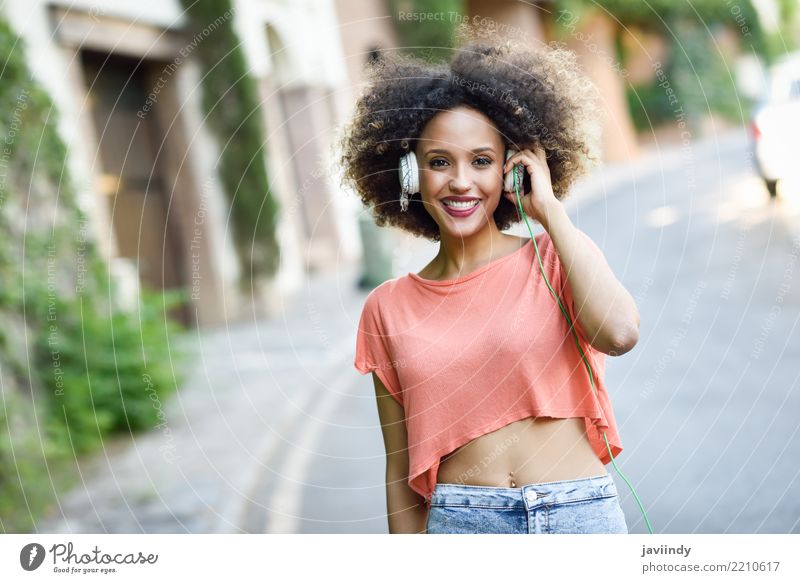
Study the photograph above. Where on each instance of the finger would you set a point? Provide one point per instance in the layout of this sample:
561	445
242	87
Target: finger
518	158
510	162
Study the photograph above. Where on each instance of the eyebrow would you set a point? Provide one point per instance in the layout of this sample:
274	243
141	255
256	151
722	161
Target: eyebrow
442	151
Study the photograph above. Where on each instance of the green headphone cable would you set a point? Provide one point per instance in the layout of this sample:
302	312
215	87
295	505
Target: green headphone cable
577	343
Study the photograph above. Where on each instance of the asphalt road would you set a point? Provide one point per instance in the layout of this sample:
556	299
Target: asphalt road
707	402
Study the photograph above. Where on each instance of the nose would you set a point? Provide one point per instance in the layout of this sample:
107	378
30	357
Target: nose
460	181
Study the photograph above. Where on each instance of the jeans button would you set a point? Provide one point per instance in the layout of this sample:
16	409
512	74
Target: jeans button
531	496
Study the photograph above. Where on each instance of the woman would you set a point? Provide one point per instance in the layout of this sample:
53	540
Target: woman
490	420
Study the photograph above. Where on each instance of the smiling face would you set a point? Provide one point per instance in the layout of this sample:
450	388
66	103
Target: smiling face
460	154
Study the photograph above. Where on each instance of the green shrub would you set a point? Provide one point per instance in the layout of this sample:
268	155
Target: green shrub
430	40
72	364
24	488
649	106
106	371
702	79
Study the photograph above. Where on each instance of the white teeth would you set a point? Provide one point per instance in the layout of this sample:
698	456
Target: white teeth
461	204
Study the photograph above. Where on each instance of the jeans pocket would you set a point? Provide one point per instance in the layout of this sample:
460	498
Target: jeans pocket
474	520
601	515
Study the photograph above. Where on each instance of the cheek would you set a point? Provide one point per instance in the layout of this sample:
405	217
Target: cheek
432	181
491	184
492	181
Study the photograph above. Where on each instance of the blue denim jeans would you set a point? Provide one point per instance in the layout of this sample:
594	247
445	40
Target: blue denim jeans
581	506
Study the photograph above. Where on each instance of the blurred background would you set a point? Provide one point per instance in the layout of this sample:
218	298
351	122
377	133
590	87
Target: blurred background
182	271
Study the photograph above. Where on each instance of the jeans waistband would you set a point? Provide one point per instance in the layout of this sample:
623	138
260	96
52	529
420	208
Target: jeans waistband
529	496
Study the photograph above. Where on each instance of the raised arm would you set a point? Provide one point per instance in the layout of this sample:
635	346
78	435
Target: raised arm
606	312
404	507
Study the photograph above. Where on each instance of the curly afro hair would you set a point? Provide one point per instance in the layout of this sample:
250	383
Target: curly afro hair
532	96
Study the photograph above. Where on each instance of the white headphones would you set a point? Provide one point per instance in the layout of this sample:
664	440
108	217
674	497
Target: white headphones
408	170
409	178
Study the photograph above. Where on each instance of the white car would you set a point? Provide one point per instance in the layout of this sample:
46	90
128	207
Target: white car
775	126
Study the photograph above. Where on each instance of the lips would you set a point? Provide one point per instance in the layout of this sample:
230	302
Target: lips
461	198
465	207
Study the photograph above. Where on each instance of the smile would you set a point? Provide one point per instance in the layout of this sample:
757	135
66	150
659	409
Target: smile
460	208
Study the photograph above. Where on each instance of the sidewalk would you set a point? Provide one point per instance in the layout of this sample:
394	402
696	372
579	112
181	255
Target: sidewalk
252	385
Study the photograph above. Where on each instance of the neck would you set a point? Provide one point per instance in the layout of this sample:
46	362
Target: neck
458	255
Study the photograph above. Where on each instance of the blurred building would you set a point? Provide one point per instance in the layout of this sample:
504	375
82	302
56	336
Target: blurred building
592	38
592	33
368	23
128	94
366	29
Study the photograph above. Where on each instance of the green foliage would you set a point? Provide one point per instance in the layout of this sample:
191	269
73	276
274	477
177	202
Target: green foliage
27	459
107	370
657	13
426	28
231	103
702	79
55	296
787	37
649	106
705	79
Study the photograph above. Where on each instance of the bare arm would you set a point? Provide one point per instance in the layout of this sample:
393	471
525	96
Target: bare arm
606	312
404	507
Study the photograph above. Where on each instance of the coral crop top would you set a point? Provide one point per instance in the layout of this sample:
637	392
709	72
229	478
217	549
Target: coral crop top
467	356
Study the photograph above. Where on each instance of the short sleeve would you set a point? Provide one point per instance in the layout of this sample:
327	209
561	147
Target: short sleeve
373	352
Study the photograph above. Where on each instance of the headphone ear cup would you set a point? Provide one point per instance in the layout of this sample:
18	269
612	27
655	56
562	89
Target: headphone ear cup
508	179
409	173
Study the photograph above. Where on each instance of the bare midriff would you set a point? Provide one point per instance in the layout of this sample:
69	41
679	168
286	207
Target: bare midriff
528	451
